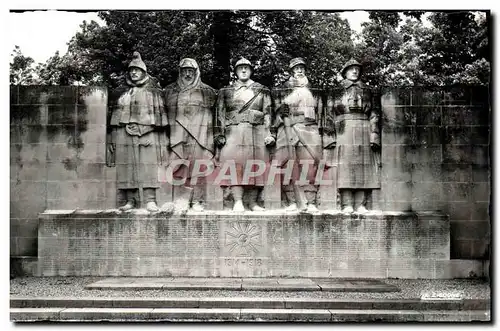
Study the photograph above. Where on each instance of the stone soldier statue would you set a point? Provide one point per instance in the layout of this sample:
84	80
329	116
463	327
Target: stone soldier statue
190	105
358	140
298	121
243	132
137	139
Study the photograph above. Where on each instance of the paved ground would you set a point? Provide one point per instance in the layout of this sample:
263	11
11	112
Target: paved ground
409	289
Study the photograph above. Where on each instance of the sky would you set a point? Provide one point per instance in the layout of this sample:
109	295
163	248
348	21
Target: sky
40	40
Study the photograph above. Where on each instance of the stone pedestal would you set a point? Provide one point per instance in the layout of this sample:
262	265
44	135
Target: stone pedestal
250	244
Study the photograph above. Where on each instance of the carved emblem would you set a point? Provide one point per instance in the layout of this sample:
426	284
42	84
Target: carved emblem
243	238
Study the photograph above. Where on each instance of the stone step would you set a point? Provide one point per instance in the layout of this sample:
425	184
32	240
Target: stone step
243	284
234	314
250	302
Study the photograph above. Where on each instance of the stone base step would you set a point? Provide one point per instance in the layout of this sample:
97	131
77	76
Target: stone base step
234	314
242	284
250	302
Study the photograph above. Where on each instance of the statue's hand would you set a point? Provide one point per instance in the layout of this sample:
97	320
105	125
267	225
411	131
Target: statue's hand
111	148
146	142
220	140
284	110
375	147
331	145
269	141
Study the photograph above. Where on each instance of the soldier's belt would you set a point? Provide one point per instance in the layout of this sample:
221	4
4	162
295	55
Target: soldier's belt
294	119
254	117
352	116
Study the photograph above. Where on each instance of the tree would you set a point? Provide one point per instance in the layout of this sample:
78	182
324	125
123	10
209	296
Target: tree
457	49
453	50
22	71
216	39
396	48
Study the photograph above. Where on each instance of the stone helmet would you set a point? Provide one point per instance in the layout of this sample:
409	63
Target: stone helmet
296	61
137	62
351	63
188	63
243	61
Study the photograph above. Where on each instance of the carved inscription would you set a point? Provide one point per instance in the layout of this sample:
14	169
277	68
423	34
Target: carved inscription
234	262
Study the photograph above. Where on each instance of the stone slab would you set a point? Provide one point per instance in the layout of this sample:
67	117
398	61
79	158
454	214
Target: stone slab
244	284
105	314
241	302
35	314
251	302
263	315
345	315
253	244
199	314
457	316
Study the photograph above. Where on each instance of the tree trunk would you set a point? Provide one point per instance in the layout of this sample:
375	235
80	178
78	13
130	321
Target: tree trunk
222	52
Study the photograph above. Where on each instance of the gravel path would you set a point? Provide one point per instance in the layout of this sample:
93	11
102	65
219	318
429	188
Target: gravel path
74	287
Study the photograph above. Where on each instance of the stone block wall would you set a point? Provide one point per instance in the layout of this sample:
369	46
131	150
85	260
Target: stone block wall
57	157
435	155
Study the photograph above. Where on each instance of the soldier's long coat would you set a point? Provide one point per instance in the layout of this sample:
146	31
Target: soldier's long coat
190	111
244	118
356	123
141	104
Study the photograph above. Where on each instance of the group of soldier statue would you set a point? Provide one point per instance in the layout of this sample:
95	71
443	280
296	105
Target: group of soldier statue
149	128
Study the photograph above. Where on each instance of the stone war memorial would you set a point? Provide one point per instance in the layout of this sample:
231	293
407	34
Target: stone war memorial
291	184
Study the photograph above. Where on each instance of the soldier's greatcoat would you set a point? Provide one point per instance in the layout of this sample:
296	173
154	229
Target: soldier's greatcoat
190	111
244	118
137	123
356	124
306	121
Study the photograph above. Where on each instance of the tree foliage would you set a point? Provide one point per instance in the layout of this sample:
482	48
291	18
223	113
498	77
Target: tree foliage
396	48
21	68
453	50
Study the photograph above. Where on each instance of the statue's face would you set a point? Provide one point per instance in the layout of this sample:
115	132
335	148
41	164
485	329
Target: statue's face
299	71
187	74
136	74
243	72
352	73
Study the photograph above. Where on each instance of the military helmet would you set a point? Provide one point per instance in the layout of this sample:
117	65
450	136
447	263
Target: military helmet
188	63
243	61
351	63
296	61
137	62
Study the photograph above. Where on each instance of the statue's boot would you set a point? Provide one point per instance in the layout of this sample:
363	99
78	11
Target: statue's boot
347	200
197	206
238	198
182	198
152	207
253	194
348	210
360	201
297	198
292	207
128	206
311	207
167	207
361	209
150	199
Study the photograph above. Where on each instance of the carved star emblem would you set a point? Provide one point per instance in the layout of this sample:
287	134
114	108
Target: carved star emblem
244	238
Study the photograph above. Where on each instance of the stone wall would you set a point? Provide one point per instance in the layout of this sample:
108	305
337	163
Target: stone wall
57	156
435	154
